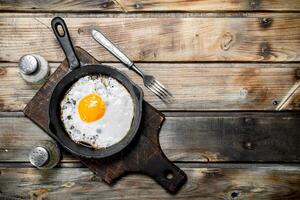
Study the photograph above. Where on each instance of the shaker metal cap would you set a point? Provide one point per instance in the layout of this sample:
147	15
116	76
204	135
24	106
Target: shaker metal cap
28	64
39	156
33	68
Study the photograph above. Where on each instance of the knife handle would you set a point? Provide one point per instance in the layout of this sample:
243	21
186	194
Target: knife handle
108	45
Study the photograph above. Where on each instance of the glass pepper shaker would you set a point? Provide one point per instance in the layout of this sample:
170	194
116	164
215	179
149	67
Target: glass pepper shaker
45	155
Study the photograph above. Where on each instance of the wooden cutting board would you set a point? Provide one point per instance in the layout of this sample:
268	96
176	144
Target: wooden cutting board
142	155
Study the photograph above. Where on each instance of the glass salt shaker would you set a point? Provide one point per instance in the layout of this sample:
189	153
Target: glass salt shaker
33	68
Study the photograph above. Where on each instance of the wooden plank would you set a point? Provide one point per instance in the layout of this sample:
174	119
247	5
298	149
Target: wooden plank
189	137
190	39
195	86
152	14
62	5
212	5
260	182
149	5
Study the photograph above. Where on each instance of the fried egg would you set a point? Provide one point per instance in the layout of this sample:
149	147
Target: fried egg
97	110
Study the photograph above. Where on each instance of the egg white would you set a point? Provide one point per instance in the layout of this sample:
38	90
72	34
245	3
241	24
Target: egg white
116	121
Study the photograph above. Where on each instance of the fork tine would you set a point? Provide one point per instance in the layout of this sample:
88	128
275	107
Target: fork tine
166	98
162	90
154	91
163	95
163	87
157	87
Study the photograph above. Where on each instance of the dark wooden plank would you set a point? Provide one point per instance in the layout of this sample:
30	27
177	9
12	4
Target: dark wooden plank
148	5
231	182
191	39
195	86
190	137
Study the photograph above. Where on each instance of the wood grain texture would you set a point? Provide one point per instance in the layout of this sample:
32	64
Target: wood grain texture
195	86
231	182
189	137
274	39
149	5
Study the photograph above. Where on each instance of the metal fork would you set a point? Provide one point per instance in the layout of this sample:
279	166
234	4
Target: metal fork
149	81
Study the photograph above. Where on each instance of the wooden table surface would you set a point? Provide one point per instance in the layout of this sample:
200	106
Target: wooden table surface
233	66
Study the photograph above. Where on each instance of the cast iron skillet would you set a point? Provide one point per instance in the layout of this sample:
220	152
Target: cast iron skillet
77	71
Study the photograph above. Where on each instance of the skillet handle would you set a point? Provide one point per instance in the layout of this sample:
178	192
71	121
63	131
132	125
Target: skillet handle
65	41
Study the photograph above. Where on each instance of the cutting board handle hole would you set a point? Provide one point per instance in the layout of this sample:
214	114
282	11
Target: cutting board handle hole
169	175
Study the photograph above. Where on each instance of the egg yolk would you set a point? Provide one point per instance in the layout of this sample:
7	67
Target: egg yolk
91	108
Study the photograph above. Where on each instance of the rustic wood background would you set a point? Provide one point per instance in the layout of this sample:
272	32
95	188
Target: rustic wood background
233	66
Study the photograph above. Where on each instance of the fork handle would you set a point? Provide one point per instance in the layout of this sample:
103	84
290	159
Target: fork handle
108	45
